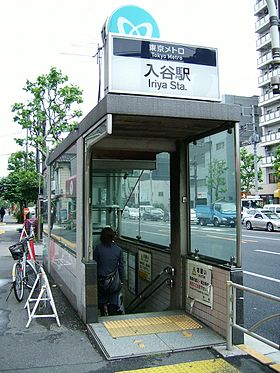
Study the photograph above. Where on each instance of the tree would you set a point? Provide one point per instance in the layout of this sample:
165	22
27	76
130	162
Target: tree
217	178
276	163
247	171
22	161
21	185
49	113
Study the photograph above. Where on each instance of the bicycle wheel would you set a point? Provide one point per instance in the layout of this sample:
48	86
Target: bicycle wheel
18	283
31	274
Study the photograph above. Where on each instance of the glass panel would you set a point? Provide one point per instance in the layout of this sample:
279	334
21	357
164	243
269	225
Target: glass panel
213	196
63	198
132	200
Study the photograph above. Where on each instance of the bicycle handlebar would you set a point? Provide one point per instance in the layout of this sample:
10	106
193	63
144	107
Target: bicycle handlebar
24	240
27	238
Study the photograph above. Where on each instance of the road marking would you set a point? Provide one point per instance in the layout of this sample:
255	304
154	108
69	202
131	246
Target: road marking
263	238
261	276
229	239
221	238
154	233
268	252
4	281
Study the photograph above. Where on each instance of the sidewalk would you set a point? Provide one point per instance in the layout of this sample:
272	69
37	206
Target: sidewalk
45	347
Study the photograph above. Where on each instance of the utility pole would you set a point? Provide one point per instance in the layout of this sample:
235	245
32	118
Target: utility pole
26	152
255	139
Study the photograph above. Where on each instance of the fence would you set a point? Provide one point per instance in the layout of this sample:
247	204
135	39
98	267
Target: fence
231	314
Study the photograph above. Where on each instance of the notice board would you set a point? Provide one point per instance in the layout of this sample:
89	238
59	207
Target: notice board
199	282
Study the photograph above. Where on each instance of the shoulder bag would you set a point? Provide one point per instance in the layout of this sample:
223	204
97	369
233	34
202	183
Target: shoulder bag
111	283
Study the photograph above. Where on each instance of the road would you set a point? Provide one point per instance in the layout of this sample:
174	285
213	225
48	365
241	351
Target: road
261	264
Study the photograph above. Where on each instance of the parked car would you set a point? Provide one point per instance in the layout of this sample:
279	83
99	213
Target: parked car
263	219
133	213
153	214
125	213
194	219
247	213
145	208
274	208
130	213
166	216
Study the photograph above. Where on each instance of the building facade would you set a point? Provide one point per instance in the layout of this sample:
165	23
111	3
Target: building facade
269	102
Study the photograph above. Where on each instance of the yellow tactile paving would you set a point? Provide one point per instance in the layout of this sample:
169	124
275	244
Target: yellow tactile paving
203	366
258	356
150	325
275	367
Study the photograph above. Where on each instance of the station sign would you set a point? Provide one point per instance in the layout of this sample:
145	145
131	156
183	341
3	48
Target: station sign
157	68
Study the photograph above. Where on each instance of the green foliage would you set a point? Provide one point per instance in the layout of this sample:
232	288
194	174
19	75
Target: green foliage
216	181
22	161
276	163
21	185
49	113
3	202
247	171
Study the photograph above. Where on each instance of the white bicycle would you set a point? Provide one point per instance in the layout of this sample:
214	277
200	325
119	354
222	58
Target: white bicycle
24	271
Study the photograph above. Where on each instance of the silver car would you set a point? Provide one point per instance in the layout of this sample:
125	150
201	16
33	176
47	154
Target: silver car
263	219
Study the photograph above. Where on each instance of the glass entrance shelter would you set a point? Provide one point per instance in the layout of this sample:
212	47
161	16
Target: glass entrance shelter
164	174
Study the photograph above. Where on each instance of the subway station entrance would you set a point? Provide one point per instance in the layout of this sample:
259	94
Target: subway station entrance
149	167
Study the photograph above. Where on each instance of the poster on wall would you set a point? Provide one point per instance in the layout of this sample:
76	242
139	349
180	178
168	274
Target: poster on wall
199	282
145	265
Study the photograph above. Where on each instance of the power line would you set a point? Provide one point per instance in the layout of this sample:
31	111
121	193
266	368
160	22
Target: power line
76	54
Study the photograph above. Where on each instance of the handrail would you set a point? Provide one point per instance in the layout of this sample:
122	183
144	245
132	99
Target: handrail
142	296
231	314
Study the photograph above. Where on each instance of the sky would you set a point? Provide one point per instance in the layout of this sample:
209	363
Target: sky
39	34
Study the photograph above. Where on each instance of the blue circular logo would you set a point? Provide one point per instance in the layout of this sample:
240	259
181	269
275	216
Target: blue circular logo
133	21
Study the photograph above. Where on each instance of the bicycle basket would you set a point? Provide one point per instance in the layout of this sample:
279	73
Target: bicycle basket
16	251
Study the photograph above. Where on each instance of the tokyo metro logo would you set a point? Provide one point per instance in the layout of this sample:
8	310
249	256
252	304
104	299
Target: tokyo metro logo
133	21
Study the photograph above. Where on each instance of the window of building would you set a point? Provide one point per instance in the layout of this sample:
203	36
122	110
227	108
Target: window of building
220	145
246	111
63	199
272	179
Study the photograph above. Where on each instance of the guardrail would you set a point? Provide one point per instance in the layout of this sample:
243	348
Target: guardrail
231	314
168	273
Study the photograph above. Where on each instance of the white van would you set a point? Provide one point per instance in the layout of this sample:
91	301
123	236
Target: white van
274	208
145	209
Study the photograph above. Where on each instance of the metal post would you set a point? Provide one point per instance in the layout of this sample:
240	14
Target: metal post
229	315
195	183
